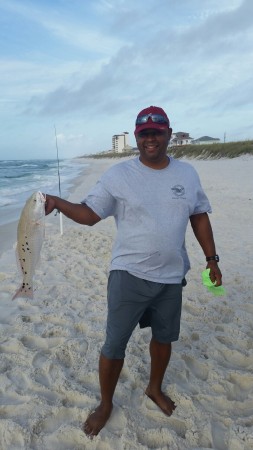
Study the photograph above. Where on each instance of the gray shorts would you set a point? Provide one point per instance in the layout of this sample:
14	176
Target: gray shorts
130	299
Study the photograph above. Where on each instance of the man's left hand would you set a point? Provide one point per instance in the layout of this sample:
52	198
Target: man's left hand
215	273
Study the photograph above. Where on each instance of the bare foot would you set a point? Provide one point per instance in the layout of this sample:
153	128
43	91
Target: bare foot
162	401
96	420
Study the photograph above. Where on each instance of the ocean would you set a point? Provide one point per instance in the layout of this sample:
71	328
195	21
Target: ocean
20	178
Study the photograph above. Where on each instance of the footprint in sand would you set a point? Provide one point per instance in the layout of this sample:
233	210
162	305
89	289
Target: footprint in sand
41	377
34	342
41	359
239	386
237	342
232	358
20	381
198	369
192	309
117	421
219	435
159	437
12	435
64	356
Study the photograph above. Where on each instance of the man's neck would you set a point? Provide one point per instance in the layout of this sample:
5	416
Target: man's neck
157	165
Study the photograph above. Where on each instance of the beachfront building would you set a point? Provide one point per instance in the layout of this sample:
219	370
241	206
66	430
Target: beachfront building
120	142
180	138
206	140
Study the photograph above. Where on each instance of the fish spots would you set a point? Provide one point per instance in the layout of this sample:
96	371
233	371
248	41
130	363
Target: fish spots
29	241
26	247
25	287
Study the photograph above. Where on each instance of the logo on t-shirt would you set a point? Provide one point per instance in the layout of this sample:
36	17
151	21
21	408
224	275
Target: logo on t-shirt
178	190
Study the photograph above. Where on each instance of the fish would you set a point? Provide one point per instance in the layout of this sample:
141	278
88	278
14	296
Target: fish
30	238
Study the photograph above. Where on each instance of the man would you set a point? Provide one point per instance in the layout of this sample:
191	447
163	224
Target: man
152	197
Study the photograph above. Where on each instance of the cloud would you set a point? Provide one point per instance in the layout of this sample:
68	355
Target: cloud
92	93
73	32
239	95
171	60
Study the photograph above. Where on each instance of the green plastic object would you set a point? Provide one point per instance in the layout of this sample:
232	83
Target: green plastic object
215	290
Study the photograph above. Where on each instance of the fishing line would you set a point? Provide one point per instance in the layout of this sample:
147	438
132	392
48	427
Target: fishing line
59	178
58	162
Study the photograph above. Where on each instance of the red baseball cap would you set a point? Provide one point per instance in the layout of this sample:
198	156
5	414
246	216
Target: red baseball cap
152	117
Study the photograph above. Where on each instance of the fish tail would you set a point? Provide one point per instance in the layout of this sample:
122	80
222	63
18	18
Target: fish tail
23	292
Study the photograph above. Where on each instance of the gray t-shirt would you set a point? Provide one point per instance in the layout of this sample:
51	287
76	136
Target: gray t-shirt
151	210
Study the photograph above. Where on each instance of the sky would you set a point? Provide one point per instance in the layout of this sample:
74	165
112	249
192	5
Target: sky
82	70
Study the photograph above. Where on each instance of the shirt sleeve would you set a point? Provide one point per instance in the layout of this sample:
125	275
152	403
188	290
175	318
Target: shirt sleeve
202	204
100	200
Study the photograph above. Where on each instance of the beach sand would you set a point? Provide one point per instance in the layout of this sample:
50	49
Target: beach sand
49	346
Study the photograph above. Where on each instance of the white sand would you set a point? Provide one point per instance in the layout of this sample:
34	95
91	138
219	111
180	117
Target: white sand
49	347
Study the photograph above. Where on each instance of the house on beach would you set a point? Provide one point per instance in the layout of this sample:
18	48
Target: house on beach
206	140
180	138
183	138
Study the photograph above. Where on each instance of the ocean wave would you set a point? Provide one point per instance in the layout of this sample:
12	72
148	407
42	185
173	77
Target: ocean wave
29	165
6	201
23	175
19	179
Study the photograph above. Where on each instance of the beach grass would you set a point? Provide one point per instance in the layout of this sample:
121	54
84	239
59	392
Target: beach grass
200	151
215	151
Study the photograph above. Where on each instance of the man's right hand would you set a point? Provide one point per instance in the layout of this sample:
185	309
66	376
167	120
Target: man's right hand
49	204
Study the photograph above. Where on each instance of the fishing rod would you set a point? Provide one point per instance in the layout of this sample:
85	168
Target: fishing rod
59	178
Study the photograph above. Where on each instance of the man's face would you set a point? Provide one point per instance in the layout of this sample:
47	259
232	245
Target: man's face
153	145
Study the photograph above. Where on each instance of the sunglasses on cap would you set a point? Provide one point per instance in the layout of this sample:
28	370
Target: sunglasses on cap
156	118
